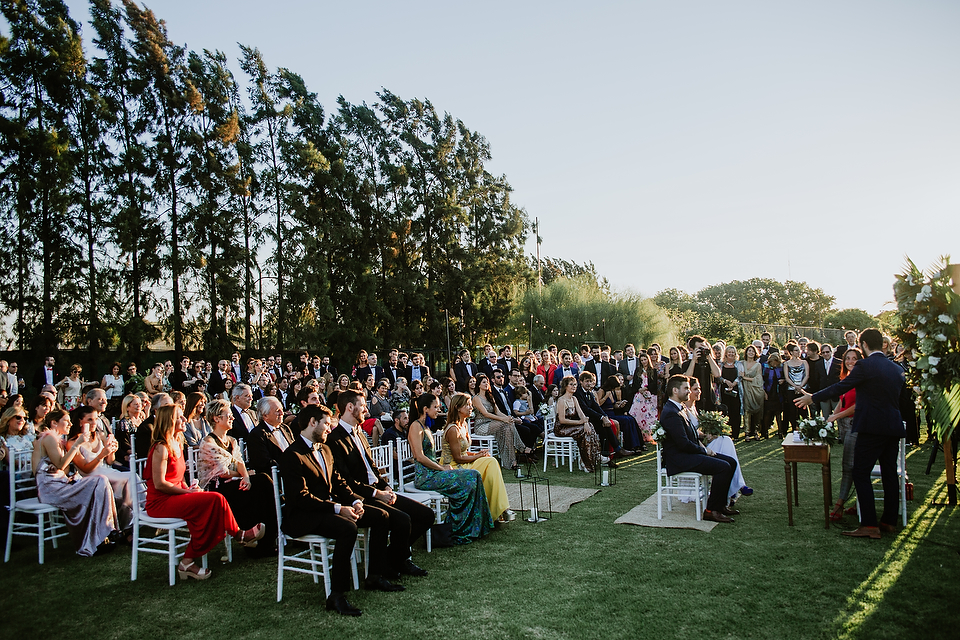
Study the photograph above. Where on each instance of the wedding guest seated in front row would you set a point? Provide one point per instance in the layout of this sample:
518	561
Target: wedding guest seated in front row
682	451
319	501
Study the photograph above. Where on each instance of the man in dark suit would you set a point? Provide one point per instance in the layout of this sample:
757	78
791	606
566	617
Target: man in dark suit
599	420
45	374
766	349
567	367
215	385
628	369
682	451
464	370
417	370
599	367
393	370
244	420
851	343
490	364
879	427
828	368
506	361
269	439
406	519
319	501
236	368
370	368
814	382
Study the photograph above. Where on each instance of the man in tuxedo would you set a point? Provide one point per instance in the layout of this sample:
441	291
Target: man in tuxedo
879	427
628	369
370	368
47	374
270	438
464	370
236	369
599	420
326	367
528	433
315	368
406	519
682	451
767	348
417	370
506	362
244	420
490	364
851	343
566	368
600	366
319	501
829	372
393	369
180	380
215	385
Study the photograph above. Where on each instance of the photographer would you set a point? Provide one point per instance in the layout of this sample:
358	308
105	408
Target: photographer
703	367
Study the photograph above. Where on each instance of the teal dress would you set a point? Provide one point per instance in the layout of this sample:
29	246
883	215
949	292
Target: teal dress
468	512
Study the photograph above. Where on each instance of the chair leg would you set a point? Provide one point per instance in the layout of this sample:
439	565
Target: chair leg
313	560
6	554
325	562
41	532
133	553
280	546
172	555
353	565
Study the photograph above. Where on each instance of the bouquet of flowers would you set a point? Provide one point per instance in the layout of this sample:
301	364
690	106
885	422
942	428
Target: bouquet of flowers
819	431
545	410
658	433
714	423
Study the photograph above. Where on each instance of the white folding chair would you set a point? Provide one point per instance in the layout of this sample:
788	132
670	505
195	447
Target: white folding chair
561	447
681	485
306	561
171	544
877	481
23	500
406	473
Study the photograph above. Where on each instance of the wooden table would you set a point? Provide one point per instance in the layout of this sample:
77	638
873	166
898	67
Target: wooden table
794	452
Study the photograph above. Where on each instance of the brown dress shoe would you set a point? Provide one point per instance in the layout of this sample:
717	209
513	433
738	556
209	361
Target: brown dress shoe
728	511
864	532
888	528
716	516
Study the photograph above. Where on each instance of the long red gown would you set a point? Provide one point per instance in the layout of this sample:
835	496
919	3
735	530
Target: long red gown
207	513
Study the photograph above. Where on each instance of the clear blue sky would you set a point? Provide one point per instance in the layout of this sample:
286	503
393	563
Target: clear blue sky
674	144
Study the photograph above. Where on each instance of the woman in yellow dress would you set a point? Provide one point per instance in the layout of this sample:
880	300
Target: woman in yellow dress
455	452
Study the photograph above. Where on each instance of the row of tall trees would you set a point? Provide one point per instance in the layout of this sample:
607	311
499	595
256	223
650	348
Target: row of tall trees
146	190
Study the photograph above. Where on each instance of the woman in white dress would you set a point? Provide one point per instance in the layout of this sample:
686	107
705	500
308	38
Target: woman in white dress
112	385
70	387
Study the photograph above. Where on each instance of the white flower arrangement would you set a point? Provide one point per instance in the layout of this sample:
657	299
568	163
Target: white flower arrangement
944	319
818	431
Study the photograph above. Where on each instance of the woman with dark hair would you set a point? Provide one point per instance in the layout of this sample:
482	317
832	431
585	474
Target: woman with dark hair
773	383
472	386
730	369
644	407
197	428
843	418
527	370
112	385
751	391
343	383
87	503
573	423
796	372
208	514
360	363
677	364
39	408
490	421
469	511
611	401
662	373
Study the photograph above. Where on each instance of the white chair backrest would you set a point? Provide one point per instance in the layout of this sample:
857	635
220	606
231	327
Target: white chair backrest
383	458
22	483
192	454
548	424
277	492
136	476
407	468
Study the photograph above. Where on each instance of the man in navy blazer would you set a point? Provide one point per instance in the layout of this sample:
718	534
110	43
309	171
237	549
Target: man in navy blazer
879	427
566	368
682	451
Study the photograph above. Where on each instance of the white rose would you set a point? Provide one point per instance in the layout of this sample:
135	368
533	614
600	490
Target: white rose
919	297
823	433
922	319
912	363
945	319
926	289
933	370
940	337
921	334
933	360
910	280
925	376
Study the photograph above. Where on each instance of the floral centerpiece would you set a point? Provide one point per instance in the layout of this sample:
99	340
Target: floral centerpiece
714	424
818	431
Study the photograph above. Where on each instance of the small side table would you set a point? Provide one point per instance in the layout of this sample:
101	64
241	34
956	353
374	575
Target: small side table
794	452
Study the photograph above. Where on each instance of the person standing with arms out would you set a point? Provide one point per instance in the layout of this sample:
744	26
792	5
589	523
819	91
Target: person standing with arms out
879	427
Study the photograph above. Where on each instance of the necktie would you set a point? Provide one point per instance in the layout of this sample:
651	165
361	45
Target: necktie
371	476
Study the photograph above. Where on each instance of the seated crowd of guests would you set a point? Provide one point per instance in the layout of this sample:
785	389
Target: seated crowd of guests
317	426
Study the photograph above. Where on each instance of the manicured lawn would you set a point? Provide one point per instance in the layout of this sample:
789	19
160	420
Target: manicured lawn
575	576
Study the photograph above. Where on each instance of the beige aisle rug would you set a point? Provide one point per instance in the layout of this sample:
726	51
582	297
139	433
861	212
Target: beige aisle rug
683	516
561	498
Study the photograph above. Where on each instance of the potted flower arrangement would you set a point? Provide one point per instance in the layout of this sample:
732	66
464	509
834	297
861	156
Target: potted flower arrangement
818	431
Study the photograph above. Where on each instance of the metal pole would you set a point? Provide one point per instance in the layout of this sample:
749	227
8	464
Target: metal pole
536	225
449	360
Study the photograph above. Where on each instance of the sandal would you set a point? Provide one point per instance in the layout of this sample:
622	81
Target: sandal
250	537
198	573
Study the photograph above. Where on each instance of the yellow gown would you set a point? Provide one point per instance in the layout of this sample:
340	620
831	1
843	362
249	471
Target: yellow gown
488	467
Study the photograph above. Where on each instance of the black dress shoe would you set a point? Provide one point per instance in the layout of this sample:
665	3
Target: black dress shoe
340	604
410	569
716	516
382	584
727	511
104	548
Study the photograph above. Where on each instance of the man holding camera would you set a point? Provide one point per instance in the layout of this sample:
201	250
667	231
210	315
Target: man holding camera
704	368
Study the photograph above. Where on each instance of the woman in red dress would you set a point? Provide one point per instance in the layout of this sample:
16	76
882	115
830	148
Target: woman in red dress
207	513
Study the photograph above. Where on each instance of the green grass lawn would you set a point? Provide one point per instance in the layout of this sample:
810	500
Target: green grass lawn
575	576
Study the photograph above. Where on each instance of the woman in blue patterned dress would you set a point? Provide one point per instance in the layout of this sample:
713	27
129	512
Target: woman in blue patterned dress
469	512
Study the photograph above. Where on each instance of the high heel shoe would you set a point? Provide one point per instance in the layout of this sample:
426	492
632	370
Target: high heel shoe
837	514
250	537
199	573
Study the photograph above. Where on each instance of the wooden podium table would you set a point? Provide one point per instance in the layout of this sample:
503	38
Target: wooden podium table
794	452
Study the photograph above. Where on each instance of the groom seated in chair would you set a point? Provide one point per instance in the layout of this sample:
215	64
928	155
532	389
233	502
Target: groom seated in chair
683	452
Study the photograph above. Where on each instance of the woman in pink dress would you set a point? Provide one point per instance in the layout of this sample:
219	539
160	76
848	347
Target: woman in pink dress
207	513
644	407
